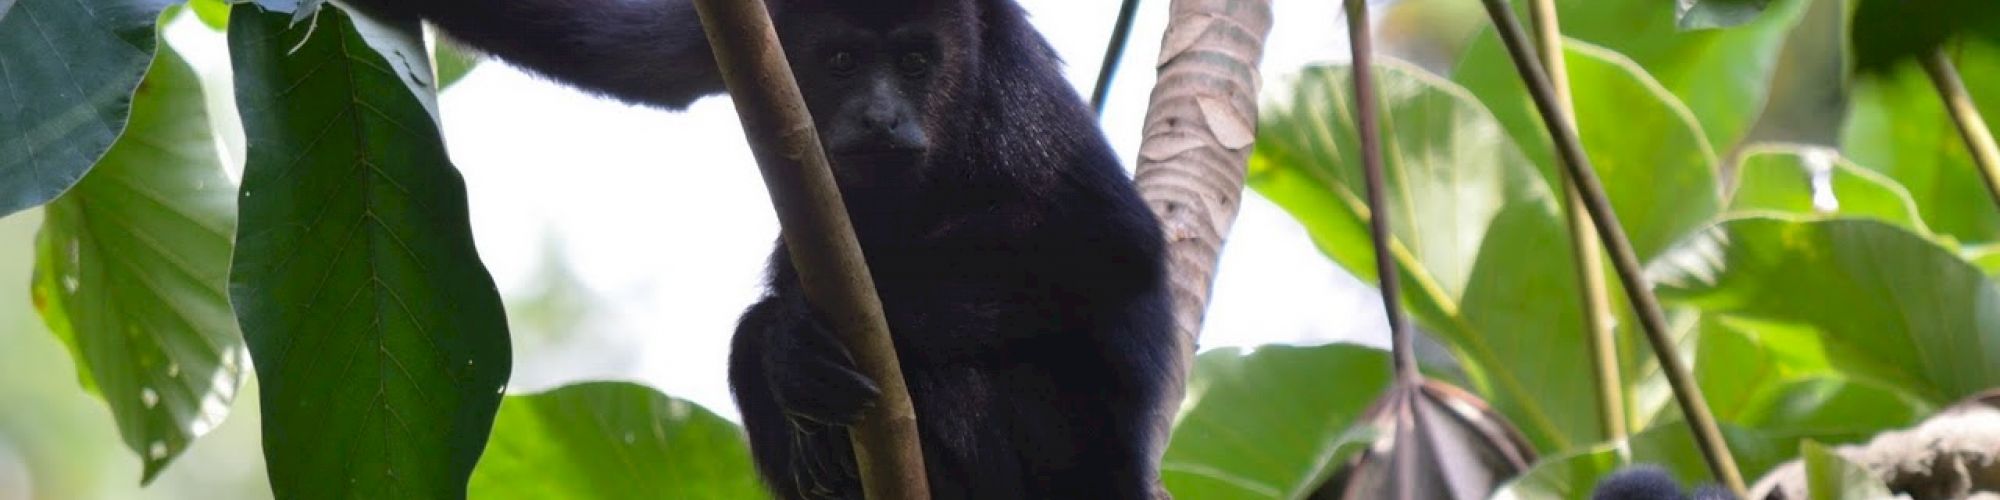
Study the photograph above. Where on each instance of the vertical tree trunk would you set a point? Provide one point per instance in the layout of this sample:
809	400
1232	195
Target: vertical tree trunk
1199	129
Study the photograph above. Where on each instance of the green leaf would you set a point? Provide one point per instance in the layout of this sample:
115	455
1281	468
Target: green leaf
1304	399
1722	75
1987	257
453	62
214	13
613	440
70	69
377	335
1483	251
130	269
1897	125
1708	14
1830	476
1783	180
1889	307
1647	148
1571	476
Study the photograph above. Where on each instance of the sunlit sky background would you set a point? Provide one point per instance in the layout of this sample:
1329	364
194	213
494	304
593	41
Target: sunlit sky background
663	220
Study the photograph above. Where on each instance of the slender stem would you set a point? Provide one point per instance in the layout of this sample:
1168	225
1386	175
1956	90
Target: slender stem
1369	128
1971	127
1583	245
1120	31
1708	436
819	235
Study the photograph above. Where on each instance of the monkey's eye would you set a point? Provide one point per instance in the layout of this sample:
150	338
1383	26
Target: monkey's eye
914	64
842	63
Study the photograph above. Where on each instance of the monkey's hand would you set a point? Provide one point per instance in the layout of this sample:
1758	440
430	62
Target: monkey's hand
814	378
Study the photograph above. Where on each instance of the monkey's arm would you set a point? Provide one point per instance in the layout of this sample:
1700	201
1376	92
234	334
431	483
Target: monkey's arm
640	51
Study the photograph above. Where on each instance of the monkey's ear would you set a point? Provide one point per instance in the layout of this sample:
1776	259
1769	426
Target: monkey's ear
1644	482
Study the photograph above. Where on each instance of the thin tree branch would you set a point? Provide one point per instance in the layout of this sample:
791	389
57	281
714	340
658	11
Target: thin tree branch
1708	436
1589	258
1200	125
819	234
1369	126
1971	127
1113	52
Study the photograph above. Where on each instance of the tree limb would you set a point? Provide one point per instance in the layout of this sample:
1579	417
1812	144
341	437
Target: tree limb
819	235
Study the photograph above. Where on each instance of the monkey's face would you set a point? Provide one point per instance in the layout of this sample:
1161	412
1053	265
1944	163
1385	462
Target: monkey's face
871	75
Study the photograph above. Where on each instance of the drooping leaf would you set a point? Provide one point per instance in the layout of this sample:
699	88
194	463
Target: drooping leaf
1832	477
1648	150
1820	183
1477	235
379	339
1306	400
70	68
1709	14
130	269
1887	306
1897	125
612	441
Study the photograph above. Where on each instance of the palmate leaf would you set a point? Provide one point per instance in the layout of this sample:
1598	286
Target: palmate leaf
613	441
67	71
379	339
1478	237
130	270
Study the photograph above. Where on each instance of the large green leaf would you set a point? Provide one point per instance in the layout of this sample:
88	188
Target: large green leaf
1483	251
1889	307
612	441
1273	423
1832	477
1897	125
130	267
1808	182
1647	148
378	337
67	72
1669	446
1722	75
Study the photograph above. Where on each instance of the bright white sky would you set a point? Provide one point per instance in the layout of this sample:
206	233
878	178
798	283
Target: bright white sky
663	216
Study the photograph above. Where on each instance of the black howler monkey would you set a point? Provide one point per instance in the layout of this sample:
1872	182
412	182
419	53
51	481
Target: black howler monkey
1021	274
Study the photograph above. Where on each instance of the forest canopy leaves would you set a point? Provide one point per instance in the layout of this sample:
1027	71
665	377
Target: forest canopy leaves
1897	125
612	441
1480	244
1662	183
1271	423
1888	306
70	69
131	267
379	339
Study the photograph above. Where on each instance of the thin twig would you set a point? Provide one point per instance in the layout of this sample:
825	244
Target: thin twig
1121	30
1708	435
1589	258
1368	126
819	236
1971	127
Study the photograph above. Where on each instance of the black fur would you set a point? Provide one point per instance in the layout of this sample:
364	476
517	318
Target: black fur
1648	482
1021	274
